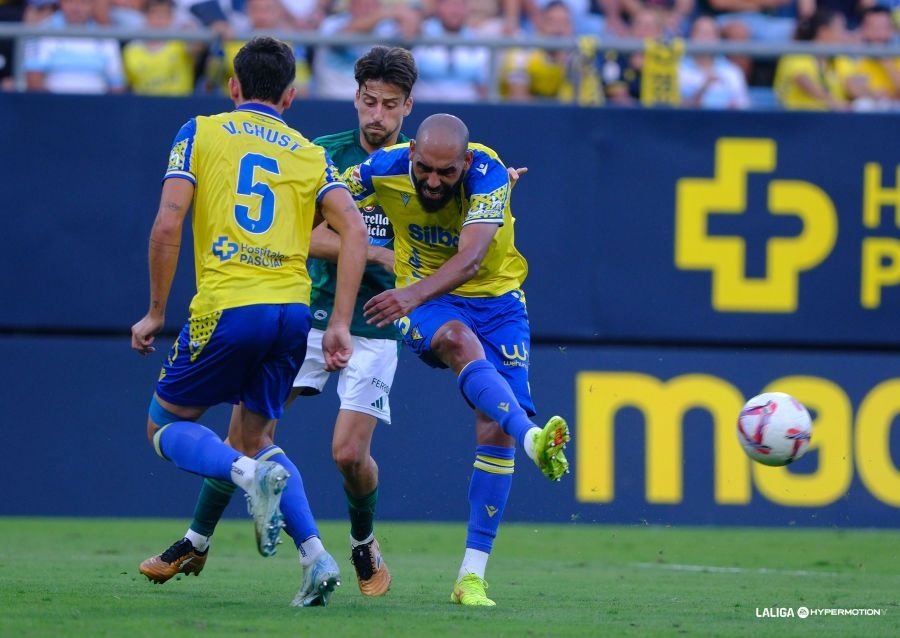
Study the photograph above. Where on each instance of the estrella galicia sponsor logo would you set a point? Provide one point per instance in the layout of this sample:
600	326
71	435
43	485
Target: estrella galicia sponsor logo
381	233
224	249
433	235
725	256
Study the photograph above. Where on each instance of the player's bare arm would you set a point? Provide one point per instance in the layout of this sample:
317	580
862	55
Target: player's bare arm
390	305
326	244
341	214
165	244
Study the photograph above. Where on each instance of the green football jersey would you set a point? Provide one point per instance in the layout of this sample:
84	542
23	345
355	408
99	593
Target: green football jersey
345	151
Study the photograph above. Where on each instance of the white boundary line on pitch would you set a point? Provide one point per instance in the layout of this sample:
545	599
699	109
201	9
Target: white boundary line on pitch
715	569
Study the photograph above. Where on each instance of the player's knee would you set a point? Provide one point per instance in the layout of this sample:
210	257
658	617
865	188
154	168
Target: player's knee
456	344
152	429
349	457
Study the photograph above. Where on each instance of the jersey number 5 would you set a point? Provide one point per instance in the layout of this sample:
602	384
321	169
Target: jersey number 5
247	186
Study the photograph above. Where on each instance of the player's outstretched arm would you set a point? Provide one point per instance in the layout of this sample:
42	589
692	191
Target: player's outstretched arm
342	215
165	243
390	305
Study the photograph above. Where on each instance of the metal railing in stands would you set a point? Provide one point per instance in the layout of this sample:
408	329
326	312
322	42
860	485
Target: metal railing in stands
757	50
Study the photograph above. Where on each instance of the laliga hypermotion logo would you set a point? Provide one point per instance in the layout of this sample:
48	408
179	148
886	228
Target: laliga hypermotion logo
724	256
224	249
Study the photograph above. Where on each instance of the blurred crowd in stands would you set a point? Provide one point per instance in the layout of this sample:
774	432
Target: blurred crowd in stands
589	74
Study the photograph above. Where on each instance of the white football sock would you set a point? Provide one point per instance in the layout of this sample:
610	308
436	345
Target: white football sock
242	472
474	562
356	543
529	441
199	541
310	550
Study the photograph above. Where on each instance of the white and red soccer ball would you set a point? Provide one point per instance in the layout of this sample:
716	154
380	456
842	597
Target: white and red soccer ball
774	428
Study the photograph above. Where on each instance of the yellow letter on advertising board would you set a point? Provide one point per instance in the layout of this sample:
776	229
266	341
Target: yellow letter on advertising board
831	440
601	395
873	442
880	268
875	196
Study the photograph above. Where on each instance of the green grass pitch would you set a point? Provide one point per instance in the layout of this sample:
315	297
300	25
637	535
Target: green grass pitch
78	577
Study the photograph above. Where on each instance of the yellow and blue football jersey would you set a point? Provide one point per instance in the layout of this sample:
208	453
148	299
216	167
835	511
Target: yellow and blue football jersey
257	184
424	241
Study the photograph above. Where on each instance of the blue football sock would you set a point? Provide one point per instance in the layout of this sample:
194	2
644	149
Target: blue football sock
298	519
487	391
488	493
196	448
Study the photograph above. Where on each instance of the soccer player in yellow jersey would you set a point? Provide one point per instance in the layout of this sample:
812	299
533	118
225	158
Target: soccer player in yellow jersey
385	78
255	185
459	305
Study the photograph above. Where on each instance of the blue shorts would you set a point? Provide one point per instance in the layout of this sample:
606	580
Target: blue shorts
500	323
249	354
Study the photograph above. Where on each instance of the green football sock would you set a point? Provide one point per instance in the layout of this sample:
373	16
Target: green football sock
362	514
214	498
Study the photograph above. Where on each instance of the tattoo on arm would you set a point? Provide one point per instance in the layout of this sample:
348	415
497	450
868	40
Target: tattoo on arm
172	206
163	244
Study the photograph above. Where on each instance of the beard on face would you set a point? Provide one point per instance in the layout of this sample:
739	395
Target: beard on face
433	201
376	137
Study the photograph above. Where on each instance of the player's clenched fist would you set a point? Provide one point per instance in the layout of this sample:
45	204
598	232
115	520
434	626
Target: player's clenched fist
144	332
337	346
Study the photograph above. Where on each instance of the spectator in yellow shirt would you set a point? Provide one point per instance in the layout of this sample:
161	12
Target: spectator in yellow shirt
159	67
879	78
527	74
810	82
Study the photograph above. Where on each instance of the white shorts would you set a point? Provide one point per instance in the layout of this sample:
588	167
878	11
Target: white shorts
364	385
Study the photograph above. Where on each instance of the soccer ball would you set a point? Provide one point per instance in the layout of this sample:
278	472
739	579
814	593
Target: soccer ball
774	428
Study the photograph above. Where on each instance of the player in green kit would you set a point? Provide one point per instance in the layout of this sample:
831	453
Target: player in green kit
385	78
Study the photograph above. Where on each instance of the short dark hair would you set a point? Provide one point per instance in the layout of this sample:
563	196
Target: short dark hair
265	68
391	65
808	28
554	4
876	10
169	4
